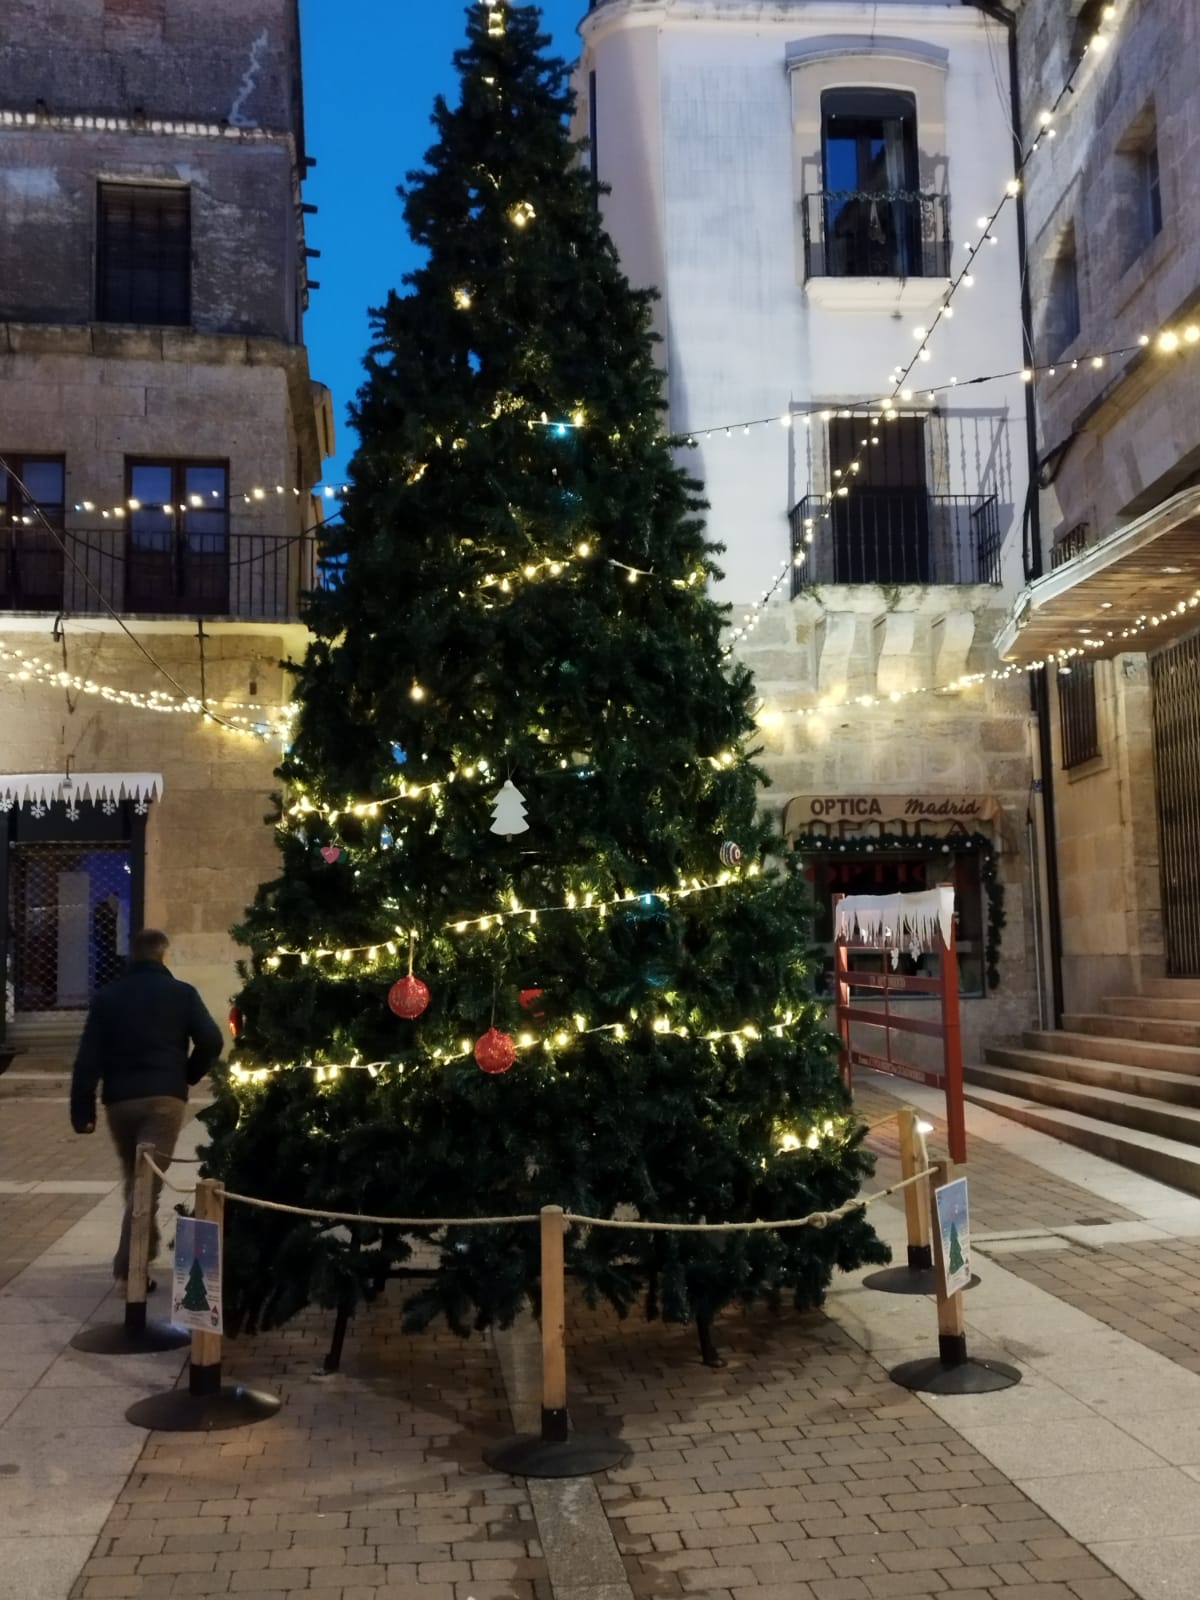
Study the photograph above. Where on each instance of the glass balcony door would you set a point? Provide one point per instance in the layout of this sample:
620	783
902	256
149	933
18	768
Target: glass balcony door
872	221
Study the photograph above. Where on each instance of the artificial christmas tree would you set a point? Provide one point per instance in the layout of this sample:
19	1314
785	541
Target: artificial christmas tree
516	595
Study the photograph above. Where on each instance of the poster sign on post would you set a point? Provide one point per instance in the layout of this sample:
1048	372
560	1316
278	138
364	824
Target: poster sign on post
196	1287
954	1225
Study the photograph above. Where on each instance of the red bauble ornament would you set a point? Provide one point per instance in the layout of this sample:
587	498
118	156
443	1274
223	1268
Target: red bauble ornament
495	1052
529	998
235	1022
408	997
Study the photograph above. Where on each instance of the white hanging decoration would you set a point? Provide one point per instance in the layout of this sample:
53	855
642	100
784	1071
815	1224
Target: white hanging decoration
508	811
890	917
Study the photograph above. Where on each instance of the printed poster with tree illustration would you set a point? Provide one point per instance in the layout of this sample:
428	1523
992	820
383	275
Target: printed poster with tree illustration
196	1285
954	1225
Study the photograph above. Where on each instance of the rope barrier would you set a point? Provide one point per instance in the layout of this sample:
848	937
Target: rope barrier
815	1219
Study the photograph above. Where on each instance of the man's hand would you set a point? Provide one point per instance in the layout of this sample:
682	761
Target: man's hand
83	1120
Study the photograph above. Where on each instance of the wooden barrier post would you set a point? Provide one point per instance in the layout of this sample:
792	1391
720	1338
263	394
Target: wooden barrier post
134	1335
204	1368
916	1196
554	1327
206	1404
554	1452
141	1224
952	1370
952	1327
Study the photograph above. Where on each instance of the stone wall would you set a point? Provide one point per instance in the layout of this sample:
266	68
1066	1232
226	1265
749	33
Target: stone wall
234	61
1128	431
207	847
245	237
974	740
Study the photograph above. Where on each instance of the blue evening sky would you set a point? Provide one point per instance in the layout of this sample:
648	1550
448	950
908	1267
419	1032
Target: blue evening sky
371	70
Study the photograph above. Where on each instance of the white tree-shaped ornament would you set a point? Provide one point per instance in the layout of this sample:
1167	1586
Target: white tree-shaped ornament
508	811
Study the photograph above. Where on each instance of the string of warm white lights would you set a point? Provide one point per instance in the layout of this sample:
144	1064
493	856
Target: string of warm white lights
258	495
31	669
304	806
573	904
560	1039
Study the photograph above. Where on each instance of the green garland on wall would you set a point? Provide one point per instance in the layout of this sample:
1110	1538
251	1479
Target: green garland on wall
807	844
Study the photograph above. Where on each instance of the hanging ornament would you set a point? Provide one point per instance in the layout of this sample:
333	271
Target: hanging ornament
331	852
235	1021
731	853
399	754
386	838
529	998
508	811
495	1051
408	996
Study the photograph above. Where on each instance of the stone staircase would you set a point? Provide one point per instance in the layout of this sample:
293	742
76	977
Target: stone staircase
1123	1083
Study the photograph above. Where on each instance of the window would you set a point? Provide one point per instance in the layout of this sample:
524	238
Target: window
593	134
1077	714
178	538
1062	311
861	869
143	254
31	558
881	528
870	216
1151	190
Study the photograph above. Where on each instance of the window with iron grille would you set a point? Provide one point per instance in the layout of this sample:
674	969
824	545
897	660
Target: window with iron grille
31	557
143	253
1078	722
178	536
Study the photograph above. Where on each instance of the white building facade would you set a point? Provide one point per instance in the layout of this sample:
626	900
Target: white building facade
799	179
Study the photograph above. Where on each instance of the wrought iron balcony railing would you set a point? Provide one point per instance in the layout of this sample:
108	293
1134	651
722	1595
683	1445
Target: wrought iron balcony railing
255	576
1070	544
859	233
895	536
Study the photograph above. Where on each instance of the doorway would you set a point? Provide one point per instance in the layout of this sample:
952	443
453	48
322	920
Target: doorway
72	889
1175	685
881	528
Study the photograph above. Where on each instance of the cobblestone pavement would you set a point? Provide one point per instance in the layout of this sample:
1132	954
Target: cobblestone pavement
365	1484
1008	1193
800	1472
36	1143
1149	1291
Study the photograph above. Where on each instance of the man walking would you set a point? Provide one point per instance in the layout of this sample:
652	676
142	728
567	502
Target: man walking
147	1038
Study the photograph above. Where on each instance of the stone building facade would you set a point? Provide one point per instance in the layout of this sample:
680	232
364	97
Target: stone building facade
161	436
796	180
1114	269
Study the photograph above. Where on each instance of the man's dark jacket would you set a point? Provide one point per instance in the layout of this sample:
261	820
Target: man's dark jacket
146	1034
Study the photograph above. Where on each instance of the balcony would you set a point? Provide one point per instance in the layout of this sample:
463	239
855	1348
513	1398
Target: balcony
895	536
858	233
240	576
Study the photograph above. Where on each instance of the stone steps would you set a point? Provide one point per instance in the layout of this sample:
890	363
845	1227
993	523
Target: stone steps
1123	1083
1165	1007
1122	1051
1163	1030
1168	1160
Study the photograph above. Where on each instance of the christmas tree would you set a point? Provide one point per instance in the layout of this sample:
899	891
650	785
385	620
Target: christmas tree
517	597
195	1295
956	1262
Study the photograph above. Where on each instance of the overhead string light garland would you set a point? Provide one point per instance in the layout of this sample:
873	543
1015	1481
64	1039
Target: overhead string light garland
574	903
258	495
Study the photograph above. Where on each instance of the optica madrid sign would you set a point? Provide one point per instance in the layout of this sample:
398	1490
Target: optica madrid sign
845	816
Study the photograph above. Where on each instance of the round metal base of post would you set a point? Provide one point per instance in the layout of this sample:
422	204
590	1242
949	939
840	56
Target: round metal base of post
180	1411
934	1376
528	1455
116	1339
908	1280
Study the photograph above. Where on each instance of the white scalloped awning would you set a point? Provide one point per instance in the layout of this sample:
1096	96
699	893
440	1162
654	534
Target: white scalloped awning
895	917
42	789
